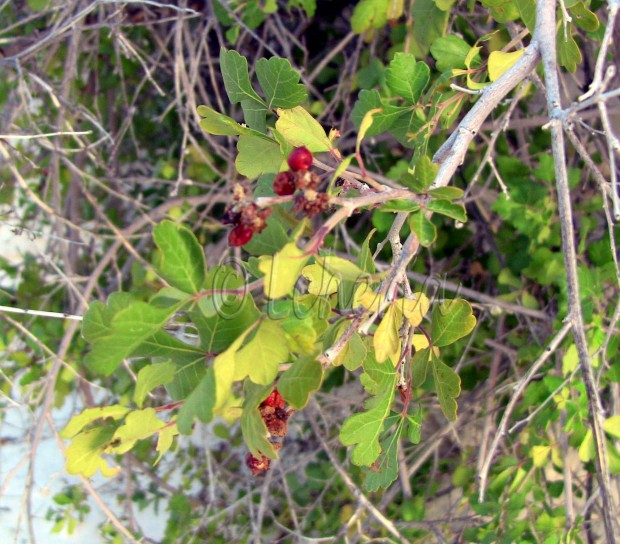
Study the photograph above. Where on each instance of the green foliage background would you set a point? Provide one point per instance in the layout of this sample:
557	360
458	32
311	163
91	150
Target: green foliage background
120	142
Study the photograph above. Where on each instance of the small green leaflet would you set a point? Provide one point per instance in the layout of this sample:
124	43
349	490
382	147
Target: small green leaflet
449	52
368	100
302	378
150	377
451	320
365	429
181	259
406	77
234	69
385	469
198	404
449	209
299	129
423	228
447	381
280	83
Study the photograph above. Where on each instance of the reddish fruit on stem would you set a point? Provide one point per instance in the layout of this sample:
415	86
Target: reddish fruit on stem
284	184
240	235
300	159
274	399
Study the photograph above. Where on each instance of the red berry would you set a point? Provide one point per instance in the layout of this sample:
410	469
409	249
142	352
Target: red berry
274	399
240	235
284	184
257	466
300	159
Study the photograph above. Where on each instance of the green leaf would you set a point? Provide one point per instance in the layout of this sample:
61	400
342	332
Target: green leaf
364	430
253	427
260	358
255	115
236	77
299	381
425	172
423	228
218	123
280	83
429	22
257	156
449	209
584	18
449	52
527	12
282	270
451	320
447	382
138	425
233	313
406	77
181	259
128	329
500	62
364	257
309	6
269	241
371	100
165	441
150	377
414	427
322	282
369	14
84	453
354	352
446	193
78	422
569	54
299	129
385	470
199	404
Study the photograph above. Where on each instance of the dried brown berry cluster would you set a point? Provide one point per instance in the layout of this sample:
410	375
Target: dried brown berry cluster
309	201
248	219
275	415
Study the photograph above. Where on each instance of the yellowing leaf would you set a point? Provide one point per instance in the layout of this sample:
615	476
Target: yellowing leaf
165	440
500	62
612	426
414	309
451	320
365	125
321	281
282	270
386	340
138	425
77	423
84	453
420	341
367	298
261	357
540	455
299	128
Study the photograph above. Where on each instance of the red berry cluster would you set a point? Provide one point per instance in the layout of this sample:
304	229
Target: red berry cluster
248	219
309	202
275	416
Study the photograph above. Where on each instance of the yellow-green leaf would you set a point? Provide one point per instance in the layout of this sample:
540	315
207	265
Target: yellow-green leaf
299	128
282	270
365	125
321	281
500	62
386	340
84	453
414	309
77	423
451	320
